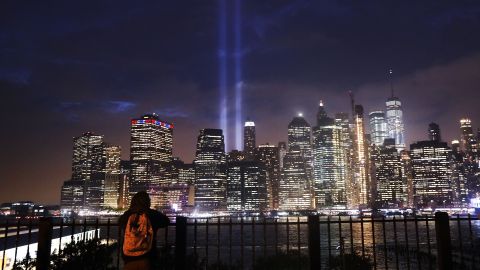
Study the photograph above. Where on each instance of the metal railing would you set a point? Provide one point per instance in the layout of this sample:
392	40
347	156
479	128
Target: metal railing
313	242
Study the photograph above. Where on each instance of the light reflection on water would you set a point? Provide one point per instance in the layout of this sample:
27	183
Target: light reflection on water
259	240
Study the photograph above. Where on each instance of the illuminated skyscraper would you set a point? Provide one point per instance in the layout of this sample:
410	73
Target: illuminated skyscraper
342	120
395	126
329	161
246	188
394	117
249	139
85	189
468	142
361	181
431	173
150	154
391	186
210	171
295	190
461	173
112	176
87	156
378	127
267	155
282	151
300	134
434	132
407	175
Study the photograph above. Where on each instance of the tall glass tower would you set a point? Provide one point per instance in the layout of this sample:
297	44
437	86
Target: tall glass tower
378	127
329	161
395	126
151	148
210	171
361	161
249	139
300	134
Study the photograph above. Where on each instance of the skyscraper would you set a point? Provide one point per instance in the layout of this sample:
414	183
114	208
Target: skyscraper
300	134
342	120
85	189
329	161
246	188
112	176
431	173
295	190
361	181
434	132
249	139
378	127
282	151
395	126
468	142
391	186
87	156
151	147
210	171
267	155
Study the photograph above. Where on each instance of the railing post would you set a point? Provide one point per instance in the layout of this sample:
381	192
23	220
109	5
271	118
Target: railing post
180	242
45	231
444	245
314	241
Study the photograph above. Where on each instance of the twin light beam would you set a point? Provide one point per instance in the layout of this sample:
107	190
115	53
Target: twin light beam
223	71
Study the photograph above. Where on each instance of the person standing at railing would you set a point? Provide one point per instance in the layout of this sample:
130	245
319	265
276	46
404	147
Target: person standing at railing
139	225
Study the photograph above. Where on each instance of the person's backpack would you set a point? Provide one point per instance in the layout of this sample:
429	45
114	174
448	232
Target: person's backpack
138	238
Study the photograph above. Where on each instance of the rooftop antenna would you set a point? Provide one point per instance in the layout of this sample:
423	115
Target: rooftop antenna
390	76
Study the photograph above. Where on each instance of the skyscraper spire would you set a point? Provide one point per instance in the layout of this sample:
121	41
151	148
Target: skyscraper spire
390	76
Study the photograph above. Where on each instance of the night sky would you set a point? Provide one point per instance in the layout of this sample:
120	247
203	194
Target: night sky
67	67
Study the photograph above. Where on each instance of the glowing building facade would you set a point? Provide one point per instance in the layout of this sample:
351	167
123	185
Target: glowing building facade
395	126
151	148
87	156
112	176
361	175
391	186
210	171
268	156
249	139
468	142
246	188
295	187
431	173
300	135
85	189
329	161
378	127
342	120
282	151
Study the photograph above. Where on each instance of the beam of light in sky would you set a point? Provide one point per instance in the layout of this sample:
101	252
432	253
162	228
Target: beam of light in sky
238	75
222	66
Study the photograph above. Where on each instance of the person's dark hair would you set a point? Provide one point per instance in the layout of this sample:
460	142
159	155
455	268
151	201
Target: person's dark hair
140	202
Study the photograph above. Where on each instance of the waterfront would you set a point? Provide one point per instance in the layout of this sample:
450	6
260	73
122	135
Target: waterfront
405	243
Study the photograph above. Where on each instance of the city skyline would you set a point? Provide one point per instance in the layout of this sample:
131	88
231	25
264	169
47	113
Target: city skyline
70	70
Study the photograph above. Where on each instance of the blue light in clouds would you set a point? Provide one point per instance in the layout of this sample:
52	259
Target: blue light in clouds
222	66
